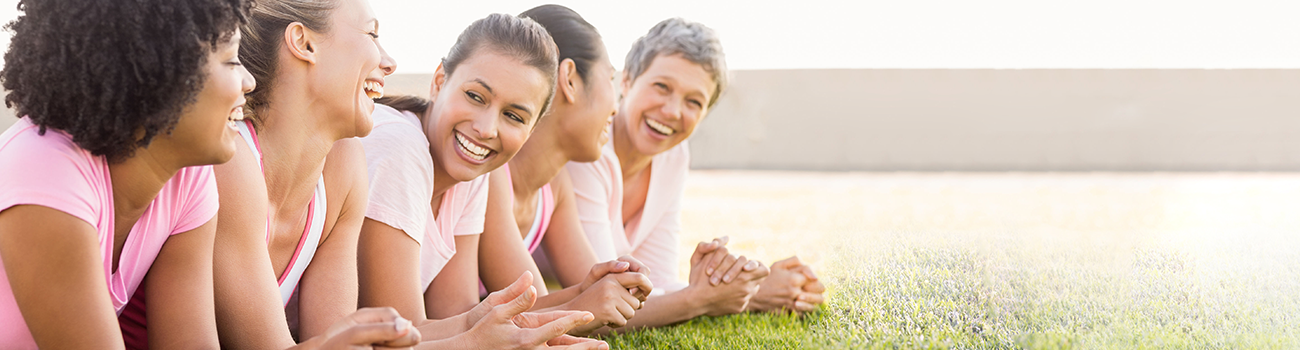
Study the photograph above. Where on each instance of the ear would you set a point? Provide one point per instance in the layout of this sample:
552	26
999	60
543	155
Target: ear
300	42
623	84
568	86
439	79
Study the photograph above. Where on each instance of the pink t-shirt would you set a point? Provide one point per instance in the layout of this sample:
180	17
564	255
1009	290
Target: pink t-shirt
51	171
651	236
400	169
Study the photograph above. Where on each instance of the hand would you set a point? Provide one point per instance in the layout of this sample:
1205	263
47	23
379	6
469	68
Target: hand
497	298
725	298
610	300
791	286
371	327
507	326
624	263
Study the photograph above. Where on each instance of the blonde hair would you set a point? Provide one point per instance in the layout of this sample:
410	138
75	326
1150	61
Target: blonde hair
263	35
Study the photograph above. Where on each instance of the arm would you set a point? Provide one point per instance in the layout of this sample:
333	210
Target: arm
565	242
179	289
389	265
327	291
455	289
249	312
70	312
502	253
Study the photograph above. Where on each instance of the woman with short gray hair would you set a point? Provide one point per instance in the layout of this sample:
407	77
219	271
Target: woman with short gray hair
629	201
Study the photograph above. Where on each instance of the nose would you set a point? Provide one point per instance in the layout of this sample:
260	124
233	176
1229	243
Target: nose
247	83
672	108
387	63
485	126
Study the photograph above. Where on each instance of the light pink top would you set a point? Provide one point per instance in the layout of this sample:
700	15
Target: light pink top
651	236
53	172
400	169
542	215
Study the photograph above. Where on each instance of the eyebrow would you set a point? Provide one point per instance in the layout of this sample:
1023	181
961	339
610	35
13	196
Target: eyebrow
484	84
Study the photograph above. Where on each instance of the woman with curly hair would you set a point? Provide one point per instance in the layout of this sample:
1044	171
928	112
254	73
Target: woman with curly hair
106	188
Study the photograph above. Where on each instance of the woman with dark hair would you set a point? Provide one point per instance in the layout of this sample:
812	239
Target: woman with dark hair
428	162
106	188
530	204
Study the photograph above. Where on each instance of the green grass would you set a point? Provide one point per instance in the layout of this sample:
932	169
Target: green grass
1006	278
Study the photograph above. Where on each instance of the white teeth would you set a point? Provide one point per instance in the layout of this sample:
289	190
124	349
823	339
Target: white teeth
373	89
662	129
474	151
237	114
231	124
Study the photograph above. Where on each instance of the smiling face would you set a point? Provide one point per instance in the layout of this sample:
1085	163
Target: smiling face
205	132
482	113
662	107
350	68
586	125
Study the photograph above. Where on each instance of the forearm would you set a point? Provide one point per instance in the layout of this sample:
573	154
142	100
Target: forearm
433	330
666	309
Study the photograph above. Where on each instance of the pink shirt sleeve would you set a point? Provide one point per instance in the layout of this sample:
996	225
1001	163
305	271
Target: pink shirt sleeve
400	171
55	173
659	249
195	190
475	211
592	191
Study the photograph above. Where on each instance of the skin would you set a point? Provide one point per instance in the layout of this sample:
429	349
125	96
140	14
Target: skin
494	101
675	93
75	310
305	134
575	129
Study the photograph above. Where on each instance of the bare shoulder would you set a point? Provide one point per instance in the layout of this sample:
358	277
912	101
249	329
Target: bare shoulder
562	184
241	190
345	179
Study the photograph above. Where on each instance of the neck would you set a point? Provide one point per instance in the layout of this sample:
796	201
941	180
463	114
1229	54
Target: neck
294	145
136	182
631	161
537	162
441	179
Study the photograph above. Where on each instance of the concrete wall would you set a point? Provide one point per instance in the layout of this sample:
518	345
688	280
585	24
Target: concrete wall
984	119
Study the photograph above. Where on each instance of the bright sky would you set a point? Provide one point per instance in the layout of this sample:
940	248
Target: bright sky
901	34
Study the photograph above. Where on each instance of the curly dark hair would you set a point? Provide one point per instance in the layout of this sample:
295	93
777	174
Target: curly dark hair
113	74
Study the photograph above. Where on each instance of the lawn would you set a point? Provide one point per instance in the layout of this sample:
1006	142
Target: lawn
1006	261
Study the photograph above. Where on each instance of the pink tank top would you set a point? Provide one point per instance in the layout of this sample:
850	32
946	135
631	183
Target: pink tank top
132	319
541	219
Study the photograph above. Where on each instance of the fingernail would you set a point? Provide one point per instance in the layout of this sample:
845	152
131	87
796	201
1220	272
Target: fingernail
726	278
709	271
621	265
714	281
588	317
401	324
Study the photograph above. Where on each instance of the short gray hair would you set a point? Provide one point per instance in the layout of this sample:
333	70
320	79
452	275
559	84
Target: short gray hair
694	41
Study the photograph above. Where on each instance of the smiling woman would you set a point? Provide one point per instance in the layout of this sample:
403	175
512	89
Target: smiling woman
428	164
106	188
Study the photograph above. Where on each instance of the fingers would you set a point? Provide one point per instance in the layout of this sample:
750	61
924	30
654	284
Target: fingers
727	262
636	265
705	248
378	326
599	271
807	271
511	292
734	271
787	263
553	329
634	280
518	305
759	272
814	287
565	339
811	298
715	259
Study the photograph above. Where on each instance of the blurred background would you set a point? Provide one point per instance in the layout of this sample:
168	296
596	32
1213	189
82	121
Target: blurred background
953	85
